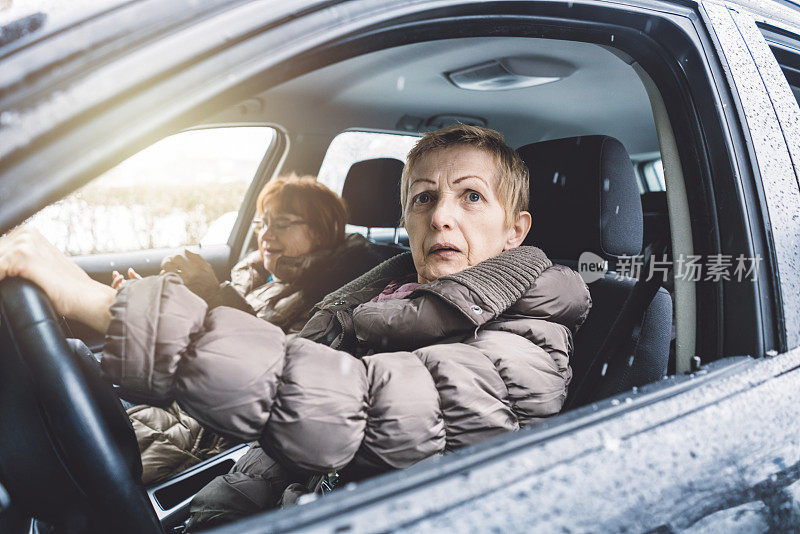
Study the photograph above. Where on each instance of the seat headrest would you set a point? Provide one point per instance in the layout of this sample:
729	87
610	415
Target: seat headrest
584	197
372	193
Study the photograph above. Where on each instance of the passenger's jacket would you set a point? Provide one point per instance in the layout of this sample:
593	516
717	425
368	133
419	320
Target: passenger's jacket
288	299
170	440
466	357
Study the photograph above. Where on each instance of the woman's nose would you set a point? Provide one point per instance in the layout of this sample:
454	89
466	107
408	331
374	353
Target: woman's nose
266	233
443	216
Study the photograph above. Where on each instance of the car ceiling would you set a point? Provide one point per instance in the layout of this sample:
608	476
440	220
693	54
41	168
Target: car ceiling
602	96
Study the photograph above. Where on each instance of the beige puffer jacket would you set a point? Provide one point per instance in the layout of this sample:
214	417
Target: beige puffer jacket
171	441
288	300
483	351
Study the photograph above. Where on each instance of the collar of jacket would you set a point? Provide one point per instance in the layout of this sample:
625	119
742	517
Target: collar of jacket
371	283
492	285
300	269
498	282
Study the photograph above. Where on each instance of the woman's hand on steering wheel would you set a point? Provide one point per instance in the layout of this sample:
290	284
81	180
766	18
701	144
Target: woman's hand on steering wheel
25	252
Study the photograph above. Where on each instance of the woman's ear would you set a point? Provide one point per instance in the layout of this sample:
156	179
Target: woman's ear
518	231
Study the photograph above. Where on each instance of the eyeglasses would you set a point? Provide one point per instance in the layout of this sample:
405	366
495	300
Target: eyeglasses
281	224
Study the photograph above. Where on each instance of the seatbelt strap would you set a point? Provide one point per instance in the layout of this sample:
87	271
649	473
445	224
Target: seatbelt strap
620	342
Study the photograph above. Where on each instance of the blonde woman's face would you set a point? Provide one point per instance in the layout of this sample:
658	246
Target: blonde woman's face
282	234
453	216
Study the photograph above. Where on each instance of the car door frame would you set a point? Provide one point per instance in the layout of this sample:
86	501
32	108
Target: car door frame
773	197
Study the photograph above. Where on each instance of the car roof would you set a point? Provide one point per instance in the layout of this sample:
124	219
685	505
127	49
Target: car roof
24	22
376	90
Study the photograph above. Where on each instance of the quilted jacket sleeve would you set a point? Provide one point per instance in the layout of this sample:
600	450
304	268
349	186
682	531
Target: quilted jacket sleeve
309	405
161	345
316	408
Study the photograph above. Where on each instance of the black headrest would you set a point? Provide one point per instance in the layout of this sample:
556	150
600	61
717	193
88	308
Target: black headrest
372	192
584	197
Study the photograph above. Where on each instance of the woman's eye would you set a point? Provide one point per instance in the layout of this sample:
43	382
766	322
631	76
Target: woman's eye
474	197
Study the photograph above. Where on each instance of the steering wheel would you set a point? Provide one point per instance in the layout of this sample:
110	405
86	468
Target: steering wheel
68	455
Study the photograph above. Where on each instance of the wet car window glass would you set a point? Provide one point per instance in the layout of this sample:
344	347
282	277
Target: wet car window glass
640	180
183	190
351	147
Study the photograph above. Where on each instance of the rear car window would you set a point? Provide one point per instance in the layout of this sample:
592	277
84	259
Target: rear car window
351	147
652	176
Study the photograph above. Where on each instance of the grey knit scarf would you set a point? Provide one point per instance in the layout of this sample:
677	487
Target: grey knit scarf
499	281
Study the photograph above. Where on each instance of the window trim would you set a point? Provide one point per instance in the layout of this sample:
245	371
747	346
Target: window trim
273	159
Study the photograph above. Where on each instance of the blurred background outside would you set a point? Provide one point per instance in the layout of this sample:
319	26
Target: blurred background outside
187	189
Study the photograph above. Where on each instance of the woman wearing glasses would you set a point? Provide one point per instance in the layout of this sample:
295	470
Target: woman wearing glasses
303	254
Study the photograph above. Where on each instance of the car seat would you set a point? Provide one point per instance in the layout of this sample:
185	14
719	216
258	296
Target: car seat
584	198
372	194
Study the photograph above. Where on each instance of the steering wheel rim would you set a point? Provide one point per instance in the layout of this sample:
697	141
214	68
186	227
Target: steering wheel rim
85	472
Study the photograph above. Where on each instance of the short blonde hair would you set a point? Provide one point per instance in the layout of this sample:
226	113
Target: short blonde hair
512	173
